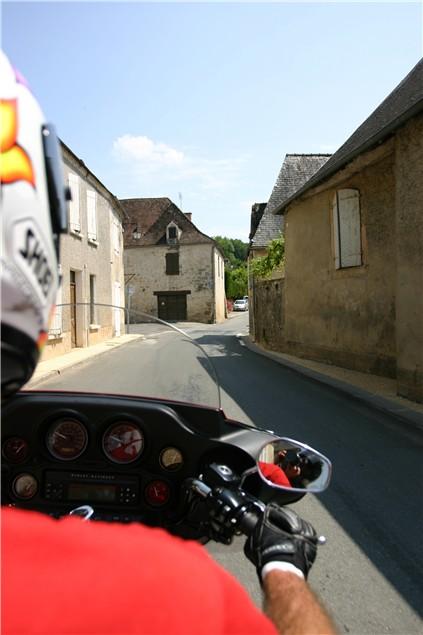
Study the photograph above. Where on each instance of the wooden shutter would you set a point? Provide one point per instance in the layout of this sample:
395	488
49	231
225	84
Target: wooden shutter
116	236
91	215
57	317
74	218
347	228
172	264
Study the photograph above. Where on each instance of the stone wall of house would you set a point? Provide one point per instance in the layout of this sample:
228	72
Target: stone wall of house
146	269
267	304
409	255
85	258
344	316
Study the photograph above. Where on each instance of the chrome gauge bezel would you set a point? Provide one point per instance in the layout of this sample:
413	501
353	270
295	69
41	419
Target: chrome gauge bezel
34	483
171	467
106	435
54	430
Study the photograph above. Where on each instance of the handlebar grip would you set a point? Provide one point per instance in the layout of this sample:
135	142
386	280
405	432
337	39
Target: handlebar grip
248	523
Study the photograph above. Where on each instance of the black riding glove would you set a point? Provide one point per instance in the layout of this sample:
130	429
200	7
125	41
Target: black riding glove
281	536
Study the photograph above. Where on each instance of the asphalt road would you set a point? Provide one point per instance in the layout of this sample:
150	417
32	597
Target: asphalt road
369	572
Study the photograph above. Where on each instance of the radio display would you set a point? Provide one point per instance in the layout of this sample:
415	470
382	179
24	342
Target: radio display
92	492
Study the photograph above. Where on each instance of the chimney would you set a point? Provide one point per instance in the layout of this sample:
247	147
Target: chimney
188	215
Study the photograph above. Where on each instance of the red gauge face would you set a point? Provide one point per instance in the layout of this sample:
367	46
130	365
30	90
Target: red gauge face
157	493
123	442
15	449
67	439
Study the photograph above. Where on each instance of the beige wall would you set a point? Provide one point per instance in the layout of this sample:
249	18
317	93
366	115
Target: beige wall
88	258
345	316
409	255
196	264
219	286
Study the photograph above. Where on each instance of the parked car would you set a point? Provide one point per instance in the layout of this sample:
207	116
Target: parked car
241	305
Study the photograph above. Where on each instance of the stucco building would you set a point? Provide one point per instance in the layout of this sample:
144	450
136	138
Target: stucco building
172	270
353	290
91	264
265	296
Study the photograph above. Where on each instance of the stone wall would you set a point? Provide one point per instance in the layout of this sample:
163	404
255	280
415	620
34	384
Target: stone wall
267	305
146	268
409	256
344	316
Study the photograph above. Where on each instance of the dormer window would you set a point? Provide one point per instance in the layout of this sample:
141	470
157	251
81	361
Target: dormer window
172	233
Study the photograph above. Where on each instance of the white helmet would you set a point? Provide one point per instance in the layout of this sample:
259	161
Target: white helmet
34	214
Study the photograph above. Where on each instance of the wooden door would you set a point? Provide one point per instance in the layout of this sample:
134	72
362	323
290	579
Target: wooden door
172	307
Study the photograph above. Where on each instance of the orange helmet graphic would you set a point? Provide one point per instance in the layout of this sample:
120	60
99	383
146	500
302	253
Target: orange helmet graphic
15	164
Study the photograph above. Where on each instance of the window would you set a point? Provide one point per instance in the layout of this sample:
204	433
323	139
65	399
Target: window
74	218
172	233
347	228
93	309
172	264
91	216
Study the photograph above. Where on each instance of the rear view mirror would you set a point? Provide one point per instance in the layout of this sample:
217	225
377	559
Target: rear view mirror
292	465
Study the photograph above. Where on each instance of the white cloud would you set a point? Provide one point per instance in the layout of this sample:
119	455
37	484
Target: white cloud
157	164
143	149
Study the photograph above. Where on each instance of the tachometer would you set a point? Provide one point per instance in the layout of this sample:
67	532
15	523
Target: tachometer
67	439
123	442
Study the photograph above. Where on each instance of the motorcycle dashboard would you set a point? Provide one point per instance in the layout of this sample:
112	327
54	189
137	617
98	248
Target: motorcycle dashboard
126	457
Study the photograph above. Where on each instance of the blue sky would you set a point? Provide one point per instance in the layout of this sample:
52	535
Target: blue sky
205	99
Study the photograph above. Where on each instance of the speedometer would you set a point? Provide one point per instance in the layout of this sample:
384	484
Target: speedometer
67	439
123	442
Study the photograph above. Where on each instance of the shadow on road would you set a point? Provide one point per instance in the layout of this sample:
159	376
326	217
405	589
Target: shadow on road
376	491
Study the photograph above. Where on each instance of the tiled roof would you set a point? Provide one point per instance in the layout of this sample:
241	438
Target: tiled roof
257	211
150	216
295	171
405	101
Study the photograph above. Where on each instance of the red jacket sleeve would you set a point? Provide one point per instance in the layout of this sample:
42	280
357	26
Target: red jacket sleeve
274	474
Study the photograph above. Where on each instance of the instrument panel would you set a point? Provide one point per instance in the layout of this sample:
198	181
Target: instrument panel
127	458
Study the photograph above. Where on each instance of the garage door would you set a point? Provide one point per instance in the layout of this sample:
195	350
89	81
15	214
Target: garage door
172	307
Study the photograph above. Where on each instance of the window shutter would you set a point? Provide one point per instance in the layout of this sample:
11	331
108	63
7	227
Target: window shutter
56	320
75	223
347	228
91	215
350	234
116	236
172	264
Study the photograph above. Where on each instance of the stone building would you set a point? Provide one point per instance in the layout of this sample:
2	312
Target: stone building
91	263
353	290
265	296
172	270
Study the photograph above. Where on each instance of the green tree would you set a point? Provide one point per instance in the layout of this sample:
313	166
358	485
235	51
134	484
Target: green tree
234	250
236	282
264	266
236	275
